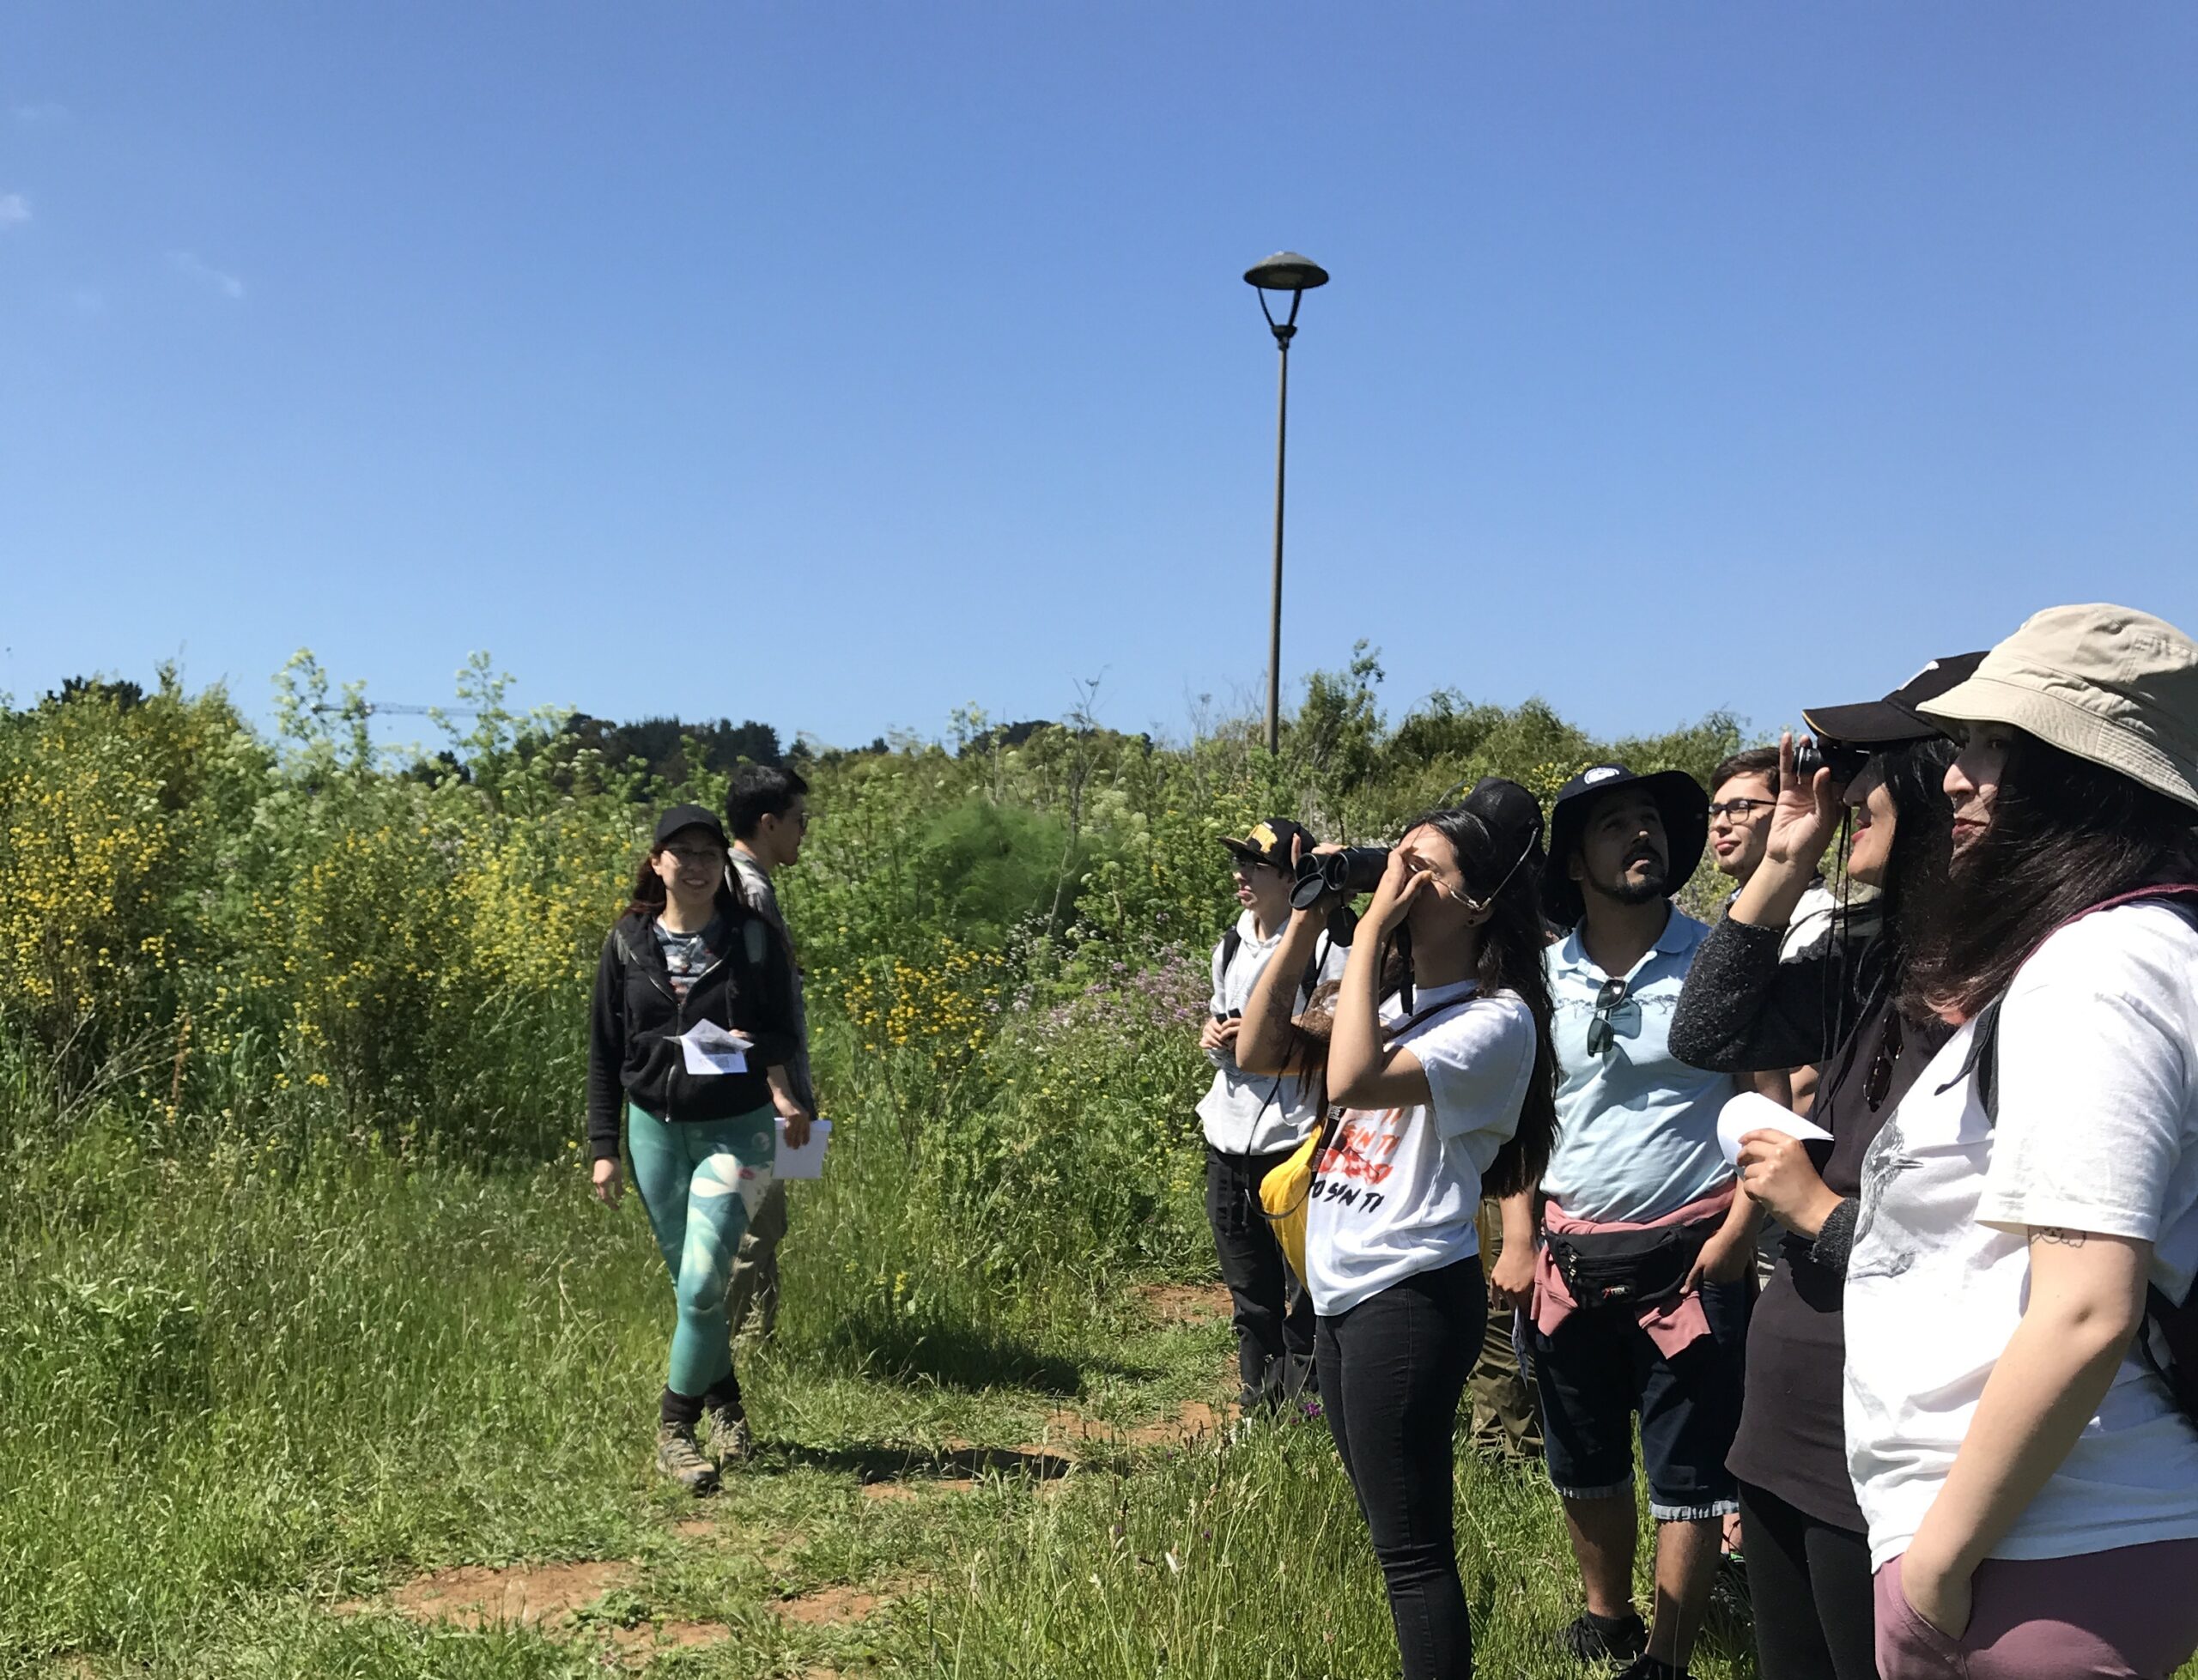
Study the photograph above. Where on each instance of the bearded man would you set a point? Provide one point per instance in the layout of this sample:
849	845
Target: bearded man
1633	1260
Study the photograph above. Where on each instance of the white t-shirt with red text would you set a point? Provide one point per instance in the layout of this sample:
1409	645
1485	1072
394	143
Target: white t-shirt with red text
1397	1191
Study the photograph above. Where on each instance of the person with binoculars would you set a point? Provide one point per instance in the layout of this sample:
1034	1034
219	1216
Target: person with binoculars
1442	1065
1253	1123
1875	770
1637	1298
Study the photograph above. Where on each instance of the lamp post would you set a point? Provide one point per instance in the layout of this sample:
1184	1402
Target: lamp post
1284	271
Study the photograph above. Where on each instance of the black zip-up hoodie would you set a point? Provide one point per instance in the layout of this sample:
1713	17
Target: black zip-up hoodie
637	1018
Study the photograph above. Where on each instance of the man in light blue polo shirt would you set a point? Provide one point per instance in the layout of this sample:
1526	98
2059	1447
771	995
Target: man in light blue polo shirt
1637	1145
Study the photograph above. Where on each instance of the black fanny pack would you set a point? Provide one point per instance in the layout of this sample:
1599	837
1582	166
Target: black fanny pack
1629	1268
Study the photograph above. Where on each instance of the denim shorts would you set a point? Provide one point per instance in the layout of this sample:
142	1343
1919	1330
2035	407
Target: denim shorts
1601	1368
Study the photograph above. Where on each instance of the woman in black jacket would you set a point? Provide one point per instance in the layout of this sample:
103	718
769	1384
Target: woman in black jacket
1743	1010
690	1036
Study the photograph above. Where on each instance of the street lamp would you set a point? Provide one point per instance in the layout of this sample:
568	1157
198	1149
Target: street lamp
1284	271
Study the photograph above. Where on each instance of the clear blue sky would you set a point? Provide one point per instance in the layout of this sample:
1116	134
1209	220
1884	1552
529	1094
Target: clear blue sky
836	365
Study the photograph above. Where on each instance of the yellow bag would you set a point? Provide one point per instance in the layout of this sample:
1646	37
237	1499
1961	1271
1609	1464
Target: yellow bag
1287	1190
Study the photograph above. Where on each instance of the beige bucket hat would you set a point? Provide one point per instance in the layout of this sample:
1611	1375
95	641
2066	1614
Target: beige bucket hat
2113	686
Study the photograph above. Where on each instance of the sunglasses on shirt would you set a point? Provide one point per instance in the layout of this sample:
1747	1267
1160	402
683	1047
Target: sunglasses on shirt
1601	1034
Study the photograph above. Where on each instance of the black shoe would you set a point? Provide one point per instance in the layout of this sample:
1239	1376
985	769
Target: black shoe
1591	1639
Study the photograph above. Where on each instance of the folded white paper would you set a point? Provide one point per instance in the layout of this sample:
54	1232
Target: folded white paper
709	1048
808	1161
1751	1111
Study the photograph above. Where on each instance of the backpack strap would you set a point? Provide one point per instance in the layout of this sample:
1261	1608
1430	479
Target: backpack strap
1233	942
1983	1057
2167	1340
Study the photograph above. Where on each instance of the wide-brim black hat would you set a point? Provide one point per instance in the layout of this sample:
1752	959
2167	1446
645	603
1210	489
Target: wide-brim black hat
1897	717
1680	801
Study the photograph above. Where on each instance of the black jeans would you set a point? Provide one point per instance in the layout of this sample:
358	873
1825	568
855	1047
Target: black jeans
1392	1370
1809	1586
1272	1314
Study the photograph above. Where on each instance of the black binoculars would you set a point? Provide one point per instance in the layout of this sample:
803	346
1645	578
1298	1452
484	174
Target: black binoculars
1355	869
1845	761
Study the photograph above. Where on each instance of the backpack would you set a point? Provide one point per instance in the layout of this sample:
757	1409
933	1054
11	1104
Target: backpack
2168	1341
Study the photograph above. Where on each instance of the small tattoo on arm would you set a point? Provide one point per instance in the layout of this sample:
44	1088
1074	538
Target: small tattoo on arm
2057	1237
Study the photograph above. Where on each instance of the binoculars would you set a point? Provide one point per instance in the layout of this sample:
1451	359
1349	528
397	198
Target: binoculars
1845	761
1355	869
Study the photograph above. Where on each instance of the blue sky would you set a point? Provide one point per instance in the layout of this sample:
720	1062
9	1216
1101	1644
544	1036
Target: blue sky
837	365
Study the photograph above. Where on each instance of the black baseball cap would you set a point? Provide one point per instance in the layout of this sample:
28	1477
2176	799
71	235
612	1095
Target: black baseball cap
690	817
1896	718
1513	817
1680	801
1269	842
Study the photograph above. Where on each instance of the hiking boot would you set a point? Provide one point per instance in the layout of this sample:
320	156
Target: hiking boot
677	1457
731	1438
1591	1639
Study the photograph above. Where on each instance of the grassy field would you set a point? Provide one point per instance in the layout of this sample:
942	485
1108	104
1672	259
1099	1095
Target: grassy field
338	1416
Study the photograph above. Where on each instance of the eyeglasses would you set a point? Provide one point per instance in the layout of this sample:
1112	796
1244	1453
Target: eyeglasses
1601	1034
1740	809
695	857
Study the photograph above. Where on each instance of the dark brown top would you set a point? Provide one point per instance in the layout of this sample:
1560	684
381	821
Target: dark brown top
1743	1011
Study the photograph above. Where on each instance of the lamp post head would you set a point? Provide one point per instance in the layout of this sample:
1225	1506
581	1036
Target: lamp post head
1286	271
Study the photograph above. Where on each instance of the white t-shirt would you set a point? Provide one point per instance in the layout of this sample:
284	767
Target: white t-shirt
1257	1114
1810	925
1397	1191
2097	1131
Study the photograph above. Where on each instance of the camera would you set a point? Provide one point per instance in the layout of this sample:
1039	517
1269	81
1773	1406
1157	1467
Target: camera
1355	869
1844	760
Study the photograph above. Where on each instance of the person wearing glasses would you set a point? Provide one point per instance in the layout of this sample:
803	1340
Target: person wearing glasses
1254	1122
1435	1050
1747	1005
1637	1300
1743	793
2021	1379
768	808
691	1034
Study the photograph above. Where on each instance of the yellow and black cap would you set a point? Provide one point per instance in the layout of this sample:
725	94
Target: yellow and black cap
1269	842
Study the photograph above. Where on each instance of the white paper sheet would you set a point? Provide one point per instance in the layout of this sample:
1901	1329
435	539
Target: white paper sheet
1751	1111
808	1161
709	1048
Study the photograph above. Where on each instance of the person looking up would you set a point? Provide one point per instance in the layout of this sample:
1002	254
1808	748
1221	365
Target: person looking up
690	1035
1746	1006
1638	1298
769	809
1438	1095
1253	1124
2029	1215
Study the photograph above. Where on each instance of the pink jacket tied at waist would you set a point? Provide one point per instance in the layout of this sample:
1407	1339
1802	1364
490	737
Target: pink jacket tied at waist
1673	1324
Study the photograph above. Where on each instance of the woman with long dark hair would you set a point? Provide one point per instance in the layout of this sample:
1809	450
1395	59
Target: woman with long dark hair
690	1037
1745	1009
2030	1216
1447	1084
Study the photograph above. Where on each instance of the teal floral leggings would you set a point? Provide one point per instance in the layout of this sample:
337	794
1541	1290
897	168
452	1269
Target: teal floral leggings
701	1182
